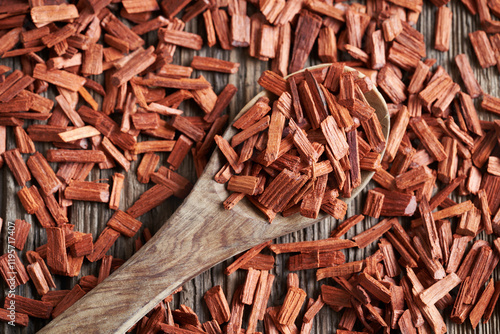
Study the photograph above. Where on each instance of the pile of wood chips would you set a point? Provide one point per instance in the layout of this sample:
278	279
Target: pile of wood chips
436	135
285	168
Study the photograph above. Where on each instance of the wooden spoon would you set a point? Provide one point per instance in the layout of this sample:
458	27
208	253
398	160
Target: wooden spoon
200	234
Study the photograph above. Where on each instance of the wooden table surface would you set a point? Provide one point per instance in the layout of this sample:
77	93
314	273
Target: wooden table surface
91	217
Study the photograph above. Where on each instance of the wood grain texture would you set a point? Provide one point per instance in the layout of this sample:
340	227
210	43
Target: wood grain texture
91	217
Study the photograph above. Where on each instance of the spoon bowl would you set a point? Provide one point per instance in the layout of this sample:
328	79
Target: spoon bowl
200	234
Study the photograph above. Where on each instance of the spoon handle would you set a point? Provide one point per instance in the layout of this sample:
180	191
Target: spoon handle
198	235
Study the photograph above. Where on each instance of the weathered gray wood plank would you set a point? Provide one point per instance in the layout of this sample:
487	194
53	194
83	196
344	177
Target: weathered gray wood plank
91	218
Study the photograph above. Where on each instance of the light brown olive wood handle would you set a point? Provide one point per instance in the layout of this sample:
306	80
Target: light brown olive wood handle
197	236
